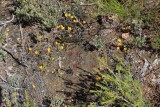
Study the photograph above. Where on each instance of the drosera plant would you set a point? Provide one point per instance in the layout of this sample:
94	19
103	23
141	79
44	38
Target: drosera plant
117	86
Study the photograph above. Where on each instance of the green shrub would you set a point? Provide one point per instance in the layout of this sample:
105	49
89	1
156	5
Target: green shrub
151	18
117	86
28	102
35	11
140	41
155	42
122	8
12	99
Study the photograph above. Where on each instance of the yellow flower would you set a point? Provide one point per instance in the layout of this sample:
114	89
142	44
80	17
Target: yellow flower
36	52
71	17
49	49
61	47
84	22
40	67
118	48
40	37
33	86
75	20
57	43
57	27
119	44
69	28
98	78
30	49
125	49
62	27
67	14
119	40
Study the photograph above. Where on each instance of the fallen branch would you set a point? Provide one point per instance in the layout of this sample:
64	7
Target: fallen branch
16	59
6	22
3	79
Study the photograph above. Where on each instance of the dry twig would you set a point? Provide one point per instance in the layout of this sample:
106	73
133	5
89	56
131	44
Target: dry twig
6	22
16	59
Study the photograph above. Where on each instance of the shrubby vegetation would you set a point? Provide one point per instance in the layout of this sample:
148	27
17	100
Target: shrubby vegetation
37	11
156	42
117	85
67	23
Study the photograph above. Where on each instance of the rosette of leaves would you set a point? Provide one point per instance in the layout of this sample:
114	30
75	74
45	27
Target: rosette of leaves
140	41
98	42
118	86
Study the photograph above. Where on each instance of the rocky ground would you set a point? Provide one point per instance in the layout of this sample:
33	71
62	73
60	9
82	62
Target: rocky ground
63	78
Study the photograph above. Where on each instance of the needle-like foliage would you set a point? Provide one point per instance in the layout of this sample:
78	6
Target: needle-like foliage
117	86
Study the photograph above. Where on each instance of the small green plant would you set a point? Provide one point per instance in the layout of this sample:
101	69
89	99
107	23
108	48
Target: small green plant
140	41
12	99
151	18
3	55
155	42
99	43
36	11
117	86
28	102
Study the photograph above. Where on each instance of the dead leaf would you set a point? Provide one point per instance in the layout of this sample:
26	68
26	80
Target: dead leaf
125	35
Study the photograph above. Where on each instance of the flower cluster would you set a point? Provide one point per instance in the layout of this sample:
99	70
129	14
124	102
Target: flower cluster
121	46
74	19
60	27
60	46
71	17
